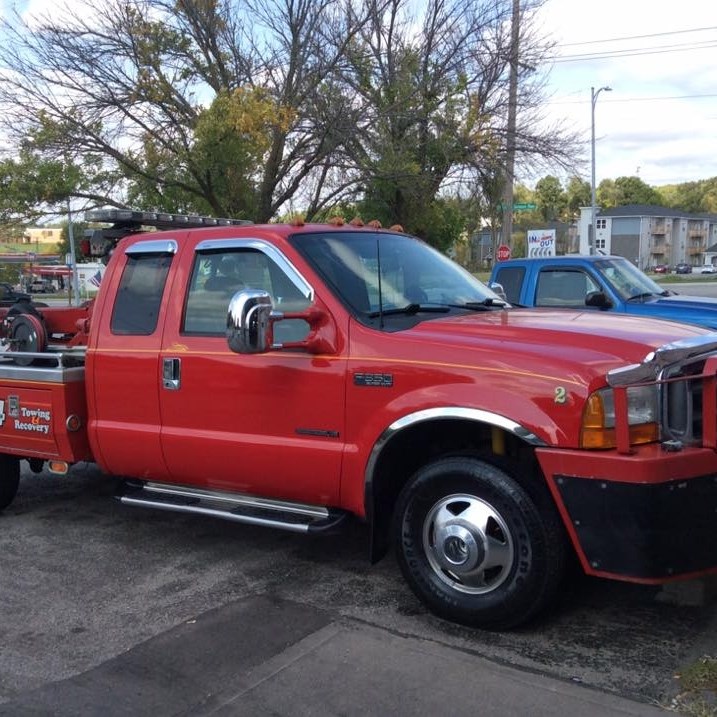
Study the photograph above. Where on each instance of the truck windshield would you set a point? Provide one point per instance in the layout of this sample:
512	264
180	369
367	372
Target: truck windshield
627	280
384	274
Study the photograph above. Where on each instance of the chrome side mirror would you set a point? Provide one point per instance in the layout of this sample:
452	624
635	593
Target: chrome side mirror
497	288
249	325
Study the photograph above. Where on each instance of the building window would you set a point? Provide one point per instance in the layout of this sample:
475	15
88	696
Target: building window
600	243
601	223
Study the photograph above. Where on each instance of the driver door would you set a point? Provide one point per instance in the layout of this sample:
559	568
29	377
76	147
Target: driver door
264	424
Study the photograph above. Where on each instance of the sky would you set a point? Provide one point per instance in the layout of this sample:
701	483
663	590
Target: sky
658	56
659	121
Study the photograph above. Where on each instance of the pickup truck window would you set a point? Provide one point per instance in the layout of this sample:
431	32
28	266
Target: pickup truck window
627	280
563	287
218	274
511	279
139	294
412	279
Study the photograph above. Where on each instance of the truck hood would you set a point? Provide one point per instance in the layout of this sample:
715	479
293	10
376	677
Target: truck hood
700	310
582	343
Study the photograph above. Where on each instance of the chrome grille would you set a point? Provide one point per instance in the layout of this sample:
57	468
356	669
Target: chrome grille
681	402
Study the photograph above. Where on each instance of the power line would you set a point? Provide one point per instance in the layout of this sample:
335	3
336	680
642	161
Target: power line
637	37
635	52
635	99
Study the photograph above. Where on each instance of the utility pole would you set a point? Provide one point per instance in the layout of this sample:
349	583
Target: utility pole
74	283
510	126
593	208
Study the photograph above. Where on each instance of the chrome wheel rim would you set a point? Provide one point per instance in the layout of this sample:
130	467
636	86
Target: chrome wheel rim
468	544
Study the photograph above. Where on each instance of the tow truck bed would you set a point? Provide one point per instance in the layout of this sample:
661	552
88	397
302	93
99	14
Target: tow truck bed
43	408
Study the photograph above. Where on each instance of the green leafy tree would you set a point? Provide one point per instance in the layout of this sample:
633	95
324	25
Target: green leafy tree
550	198
30	185
155	90
606	194
632	190
578	195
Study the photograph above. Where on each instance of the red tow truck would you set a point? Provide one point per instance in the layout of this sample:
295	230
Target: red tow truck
295	375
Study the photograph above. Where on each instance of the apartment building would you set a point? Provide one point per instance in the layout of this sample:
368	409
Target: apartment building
649	235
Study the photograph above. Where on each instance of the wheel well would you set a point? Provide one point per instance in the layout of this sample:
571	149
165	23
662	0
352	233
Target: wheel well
423	442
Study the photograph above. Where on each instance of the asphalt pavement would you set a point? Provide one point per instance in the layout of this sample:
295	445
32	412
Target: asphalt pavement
110	610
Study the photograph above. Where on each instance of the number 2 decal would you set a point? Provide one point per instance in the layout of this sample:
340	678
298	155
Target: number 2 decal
561	395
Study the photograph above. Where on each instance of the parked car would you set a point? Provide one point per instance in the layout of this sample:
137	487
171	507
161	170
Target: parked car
661	269
40	286
708	269
8	295
683	268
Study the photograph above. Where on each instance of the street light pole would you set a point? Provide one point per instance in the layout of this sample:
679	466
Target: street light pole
593	209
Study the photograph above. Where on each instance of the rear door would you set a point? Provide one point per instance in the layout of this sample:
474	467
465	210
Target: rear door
267	424
124	364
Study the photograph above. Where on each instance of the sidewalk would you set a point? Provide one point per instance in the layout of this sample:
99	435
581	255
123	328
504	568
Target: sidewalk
261	656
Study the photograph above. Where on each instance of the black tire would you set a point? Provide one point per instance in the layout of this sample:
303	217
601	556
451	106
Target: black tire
9	479
473	545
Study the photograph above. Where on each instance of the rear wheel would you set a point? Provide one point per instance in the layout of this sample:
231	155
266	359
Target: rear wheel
9	479
474	546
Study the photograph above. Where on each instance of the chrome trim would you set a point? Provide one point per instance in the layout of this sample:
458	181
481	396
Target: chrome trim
447	412
153	246
314	511
657	361
59	373
270	250
225	515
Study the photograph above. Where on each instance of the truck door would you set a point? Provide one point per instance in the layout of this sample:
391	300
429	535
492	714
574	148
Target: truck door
266	424
124	364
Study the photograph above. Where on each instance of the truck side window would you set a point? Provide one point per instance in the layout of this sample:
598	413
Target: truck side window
559	287
511	279
218	274
139	295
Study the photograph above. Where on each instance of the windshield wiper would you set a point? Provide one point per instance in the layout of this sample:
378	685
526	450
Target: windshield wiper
410	310
480	305
643	296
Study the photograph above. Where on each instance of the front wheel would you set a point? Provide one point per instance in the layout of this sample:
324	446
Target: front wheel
9	479
474	546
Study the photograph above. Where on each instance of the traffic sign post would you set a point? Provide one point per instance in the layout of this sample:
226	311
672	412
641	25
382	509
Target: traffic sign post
503	253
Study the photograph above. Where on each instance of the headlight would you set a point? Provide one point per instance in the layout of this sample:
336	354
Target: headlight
598	428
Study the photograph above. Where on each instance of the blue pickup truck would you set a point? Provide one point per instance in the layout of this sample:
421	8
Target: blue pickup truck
599	283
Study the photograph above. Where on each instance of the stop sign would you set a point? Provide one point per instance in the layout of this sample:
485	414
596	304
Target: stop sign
503	253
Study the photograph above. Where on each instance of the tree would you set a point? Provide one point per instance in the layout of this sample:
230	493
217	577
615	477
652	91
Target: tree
248	107
432	106
627	190
152	89
550	198
578	195
30	186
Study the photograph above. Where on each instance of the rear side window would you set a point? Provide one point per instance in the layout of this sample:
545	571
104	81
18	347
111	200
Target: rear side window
511	279
139	295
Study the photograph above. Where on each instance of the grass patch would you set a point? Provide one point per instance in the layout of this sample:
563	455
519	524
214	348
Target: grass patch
698	689
700	675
